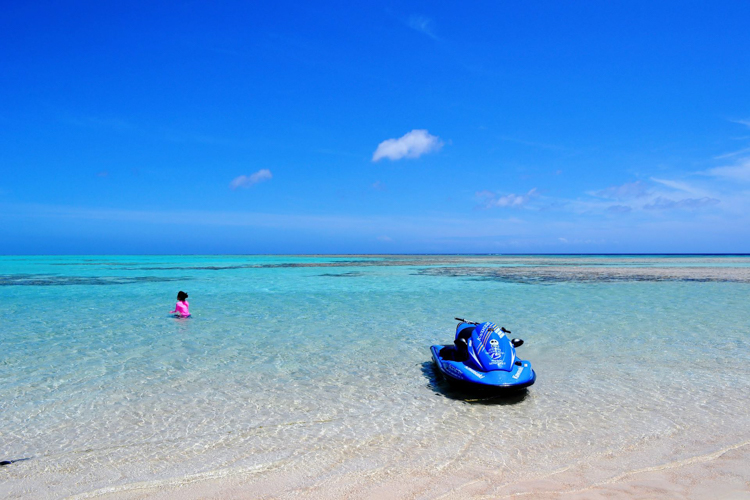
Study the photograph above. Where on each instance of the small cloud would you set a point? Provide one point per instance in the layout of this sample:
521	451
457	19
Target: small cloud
378	186
423	25
558	172
738	172
562	240
385	238
732	154
103	173
619	209
679	186
662	203
626	191
412	145
245	181
490	199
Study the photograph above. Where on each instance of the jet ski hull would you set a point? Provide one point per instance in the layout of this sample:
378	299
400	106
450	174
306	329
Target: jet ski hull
458	372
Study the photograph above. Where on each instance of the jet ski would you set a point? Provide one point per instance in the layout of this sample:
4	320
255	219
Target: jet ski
482	356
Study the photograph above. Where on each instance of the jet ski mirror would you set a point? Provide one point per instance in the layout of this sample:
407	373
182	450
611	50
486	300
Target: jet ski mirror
516	342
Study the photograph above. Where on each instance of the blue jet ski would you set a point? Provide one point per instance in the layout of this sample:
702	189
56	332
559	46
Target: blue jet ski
482	356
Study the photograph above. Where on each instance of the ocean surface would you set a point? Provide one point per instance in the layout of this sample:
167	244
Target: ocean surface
315	372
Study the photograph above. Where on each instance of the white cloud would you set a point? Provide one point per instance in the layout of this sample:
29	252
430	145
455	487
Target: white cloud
661	203
412	145
424	25
385	238
619	209
244	181
491	199
732	154
740	170
677	185
626	191
737	172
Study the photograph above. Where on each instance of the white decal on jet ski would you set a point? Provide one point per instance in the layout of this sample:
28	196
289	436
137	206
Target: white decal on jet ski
518	374
484	333
473	354
480	375
455	372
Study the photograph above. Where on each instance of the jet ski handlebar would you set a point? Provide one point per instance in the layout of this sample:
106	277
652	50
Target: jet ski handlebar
461	320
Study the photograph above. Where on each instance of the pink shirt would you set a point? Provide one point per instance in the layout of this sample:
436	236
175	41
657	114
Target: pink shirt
182	308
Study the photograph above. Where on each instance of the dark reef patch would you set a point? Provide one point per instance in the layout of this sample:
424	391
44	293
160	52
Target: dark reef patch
190	268
93	263
49	280
350	274
597	274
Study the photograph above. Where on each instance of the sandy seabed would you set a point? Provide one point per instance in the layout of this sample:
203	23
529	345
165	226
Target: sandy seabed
723	474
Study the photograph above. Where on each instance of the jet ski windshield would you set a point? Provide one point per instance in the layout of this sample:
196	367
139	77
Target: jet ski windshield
490	349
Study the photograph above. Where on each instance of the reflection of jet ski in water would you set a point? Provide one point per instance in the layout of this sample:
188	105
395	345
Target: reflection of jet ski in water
483	356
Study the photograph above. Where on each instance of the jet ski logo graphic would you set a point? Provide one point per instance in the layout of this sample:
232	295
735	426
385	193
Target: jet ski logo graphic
494	350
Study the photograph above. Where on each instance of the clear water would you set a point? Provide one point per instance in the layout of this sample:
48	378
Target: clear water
318	369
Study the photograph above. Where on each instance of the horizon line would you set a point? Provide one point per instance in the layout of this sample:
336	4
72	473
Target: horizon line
603	254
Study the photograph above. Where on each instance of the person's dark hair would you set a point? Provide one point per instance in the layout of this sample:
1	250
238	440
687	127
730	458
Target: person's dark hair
181	295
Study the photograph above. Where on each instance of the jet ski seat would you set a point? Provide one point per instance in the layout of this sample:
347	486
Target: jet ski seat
448	353
461	343
465	333
460	350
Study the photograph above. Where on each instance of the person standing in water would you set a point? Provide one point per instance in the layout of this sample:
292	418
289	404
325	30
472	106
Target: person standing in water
182	308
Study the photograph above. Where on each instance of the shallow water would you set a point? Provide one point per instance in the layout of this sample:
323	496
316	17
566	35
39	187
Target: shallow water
318	368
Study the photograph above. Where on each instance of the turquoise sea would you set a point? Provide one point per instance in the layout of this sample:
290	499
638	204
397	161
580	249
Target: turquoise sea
299	374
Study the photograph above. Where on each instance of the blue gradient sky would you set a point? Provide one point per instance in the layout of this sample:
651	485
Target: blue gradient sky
251	127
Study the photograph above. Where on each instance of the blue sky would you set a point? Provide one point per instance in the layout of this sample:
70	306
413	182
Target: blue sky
374	127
